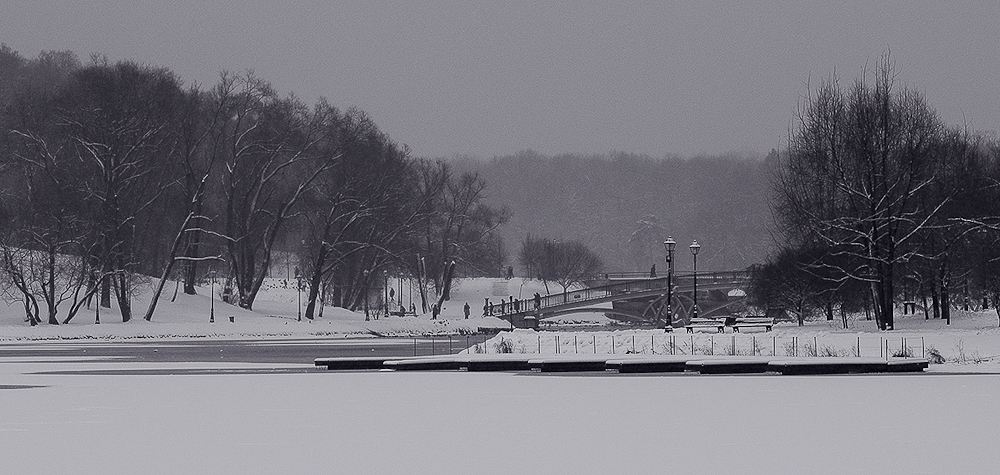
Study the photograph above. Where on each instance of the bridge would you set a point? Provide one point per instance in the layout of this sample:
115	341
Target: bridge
638	298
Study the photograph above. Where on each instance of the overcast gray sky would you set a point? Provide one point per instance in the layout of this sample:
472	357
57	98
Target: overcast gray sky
491	78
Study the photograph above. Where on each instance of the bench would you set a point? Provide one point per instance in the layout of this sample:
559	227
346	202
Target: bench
751	322
697	323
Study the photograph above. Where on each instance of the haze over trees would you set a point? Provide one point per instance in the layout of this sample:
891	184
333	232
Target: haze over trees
117	171
875	190
623	206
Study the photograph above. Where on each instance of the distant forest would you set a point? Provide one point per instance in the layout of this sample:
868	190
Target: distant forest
623	206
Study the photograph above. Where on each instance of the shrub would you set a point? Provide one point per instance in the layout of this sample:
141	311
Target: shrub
934	356
504	346
904	352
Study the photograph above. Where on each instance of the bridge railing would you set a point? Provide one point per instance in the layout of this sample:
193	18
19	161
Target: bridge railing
600	292
712	276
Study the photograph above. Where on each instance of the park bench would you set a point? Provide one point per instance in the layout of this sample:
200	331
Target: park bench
751	322
698	323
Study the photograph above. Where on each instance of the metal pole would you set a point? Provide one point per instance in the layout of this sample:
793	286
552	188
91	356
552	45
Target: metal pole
211	317
695	311
695	247
670	245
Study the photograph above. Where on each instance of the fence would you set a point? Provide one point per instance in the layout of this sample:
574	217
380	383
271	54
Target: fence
448	344
701	344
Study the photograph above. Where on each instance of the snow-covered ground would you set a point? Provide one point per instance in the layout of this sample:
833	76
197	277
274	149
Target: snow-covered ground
492	423
972	337
314	421
275	314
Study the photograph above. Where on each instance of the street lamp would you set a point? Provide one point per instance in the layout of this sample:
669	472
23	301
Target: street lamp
298	290
211	315
669	245
695	247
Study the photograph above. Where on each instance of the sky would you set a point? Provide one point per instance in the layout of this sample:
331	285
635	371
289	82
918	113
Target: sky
494	78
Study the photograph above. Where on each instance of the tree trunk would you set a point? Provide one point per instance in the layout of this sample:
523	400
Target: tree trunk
315	282
923	297
168	267
106	290
945	303
935	300
191	267
888	295
422	284
50	297
124	298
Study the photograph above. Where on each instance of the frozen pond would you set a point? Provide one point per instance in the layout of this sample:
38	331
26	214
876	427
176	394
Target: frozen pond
503	423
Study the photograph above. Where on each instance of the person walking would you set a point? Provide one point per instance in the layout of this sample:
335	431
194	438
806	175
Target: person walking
466	308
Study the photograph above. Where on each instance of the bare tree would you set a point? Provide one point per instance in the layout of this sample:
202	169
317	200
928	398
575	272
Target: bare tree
461	225
118	117
857	161
271	154
566	263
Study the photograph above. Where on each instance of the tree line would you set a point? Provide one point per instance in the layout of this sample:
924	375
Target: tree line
877	201
114	171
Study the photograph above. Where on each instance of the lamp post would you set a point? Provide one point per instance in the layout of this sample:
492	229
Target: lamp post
695	247
211	315
298	290
669	245
385	280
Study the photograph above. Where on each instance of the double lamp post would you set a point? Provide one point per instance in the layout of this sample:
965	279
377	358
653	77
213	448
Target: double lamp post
670	245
